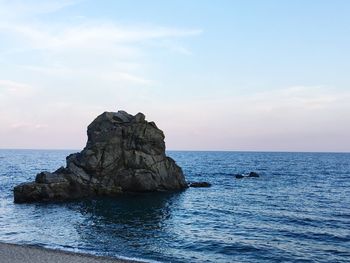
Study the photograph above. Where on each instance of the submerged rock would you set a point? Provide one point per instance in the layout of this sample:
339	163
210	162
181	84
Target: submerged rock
199	184
124	153
239	176
253	174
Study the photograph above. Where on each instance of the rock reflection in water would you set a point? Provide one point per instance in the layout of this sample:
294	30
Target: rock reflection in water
133	220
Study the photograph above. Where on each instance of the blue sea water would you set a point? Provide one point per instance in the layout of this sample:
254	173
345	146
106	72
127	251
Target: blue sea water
297	211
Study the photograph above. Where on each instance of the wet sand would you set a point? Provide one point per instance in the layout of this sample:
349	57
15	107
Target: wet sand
10	253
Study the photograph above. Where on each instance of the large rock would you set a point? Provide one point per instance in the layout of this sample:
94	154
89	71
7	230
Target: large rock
124	153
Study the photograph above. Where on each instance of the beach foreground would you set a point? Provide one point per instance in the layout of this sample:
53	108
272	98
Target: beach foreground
10	253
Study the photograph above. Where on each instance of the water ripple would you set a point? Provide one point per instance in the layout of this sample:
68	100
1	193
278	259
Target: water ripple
297	211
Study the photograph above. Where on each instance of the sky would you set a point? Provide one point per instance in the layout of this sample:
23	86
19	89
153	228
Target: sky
214	75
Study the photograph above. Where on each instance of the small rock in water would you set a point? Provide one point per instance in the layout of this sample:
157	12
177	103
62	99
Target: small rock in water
200	184
253	174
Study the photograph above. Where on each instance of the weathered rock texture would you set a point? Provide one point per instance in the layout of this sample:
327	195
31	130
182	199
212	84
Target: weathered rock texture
124	153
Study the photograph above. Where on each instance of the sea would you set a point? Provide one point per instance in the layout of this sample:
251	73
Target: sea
298	210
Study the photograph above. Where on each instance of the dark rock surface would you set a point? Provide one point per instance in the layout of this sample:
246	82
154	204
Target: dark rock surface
199	184
239	176
253	174
124	153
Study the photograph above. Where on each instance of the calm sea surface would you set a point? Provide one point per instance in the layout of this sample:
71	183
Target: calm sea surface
297	211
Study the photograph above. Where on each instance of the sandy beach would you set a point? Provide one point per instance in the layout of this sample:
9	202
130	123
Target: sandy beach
10	253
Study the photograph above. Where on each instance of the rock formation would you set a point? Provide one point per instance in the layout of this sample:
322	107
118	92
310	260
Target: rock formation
251	174
124	153
199	184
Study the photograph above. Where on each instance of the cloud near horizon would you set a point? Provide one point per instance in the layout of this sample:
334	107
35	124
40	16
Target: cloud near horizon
290	119
277	117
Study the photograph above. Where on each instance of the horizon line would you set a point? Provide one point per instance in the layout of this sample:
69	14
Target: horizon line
172	150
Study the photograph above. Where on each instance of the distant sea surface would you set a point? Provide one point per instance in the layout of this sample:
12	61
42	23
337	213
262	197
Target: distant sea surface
298	210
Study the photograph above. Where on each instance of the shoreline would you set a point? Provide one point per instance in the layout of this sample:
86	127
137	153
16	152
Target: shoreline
15	253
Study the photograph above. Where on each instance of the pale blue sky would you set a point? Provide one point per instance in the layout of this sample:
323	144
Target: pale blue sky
214	75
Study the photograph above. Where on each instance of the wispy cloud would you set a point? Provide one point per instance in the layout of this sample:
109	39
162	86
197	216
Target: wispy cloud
17	9
27	125
297	97
293	118
87	48
73	69
90	35
14	88
13	85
